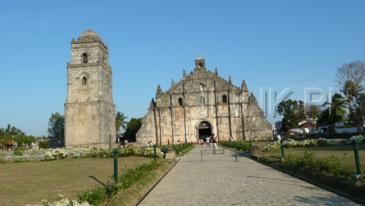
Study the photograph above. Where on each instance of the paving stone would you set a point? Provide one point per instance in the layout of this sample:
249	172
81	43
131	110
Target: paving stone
219	180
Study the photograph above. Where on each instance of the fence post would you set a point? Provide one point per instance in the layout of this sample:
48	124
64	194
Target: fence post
250	146
201	156
115	157
236	155
357	160
282	151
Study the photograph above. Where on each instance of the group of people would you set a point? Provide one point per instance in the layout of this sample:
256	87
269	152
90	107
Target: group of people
210	140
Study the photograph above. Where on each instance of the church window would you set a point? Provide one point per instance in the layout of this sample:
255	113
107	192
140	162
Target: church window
202	101
224	99
85	58
181	102
84	81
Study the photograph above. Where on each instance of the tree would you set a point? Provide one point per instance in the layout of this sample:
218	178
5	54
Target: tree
312	111
338	108
292	112
335	112
12	134
353	72
350	78
56	128
132	128
120	121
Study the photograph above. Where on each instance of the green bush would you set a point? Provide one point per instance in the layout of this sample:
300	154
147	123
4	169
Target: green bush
180	149
242	146
99	195
19	151
360	139
23	140
309	165
94	197
44	144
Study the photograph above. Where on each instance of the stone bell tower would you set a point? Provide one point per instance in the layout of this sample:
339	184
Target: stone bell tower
89	107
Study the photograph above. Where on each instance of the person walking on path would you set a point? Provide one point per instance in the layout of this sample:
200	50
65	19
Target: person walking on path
214	142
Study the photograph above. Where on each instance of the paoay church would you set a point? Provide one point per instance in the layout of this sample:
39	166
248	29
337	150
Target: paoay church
200	105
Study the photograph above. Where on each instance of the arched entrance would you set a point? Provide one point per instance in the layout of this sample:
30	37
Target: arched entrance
204	130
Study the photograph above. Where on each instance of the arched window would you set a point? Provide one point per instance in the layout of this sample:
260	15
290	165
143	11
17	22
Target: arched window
224	99
181	102
84	81
84	58
202	100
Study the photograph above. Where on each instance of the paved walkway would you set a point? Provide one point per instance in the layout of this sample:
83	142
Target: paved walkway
219	180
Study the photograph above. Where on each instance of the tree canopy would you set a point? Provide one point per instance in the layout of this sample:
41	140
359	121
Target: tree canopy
335	112
12	134
56	128
350	78
120	121
293	113
132	128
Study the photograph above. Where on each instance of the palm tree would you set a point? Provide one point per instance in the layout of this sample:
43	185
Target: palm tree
338	108
120	121
353	92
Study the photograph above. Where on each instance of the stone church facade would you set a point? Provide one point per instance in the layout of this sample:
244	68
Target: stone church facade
89	107
199	105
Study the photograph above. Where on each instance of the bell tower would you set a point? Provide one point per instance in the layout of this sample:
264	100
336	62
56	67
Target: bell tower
200	64
89	107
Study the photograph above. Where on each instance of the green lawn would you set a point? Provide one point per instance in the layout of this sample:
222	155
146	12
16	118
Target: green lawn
344	153
30	182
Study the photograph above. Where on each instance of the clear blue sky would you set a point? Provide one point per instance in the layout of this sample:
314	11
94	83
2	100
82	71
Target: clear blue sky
270	44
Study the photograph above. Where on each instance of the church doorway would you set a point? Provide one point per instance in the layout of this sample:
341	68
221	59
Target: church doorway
205	130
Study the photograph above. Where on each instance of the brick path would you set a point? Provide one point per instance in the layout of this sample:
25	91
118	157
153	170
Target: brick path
219	180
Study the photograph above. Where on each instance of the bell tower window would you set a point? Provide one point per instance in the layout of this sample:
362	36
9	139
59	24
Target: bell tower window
85	59
83	81
224	99
181	102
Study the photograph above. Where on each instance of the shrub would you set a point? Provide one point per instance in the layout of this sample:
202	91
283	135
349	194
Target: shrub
242	146
360	139
66	202
44	144
61	153
271	147
94	197
182	148
19	151
97	196
308	164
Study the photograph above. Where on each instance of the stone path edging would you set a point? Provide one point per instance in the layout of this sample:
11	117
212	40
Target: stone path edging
311	181
158	181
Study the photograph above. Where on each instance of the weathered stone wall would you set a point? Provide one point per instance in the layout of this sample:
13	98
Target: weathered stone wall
202	99
89	108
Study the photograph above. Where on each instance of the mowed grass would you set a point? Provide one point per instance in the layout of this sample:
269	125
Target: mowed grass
344	154
31	182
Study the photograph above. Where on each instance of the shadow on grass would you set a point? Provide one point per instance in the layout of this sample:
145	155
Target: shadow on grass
98	181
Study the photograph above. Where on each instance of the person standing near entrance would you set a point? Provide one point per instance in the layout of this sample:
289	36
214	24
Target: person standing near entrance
208	140
214	142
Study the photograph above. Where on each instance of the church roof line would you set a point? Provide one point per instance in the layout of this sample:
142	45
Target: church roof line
194	75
